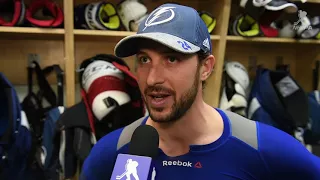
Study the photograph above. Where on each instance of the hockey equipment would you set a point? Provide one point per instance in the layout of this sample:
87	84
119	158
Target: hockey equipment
316	24
306	28
110	99
48	154
278	100
234	93
269	30
52	14
286	29
246	26
106	80
279	5
103	99
97	16
32	104
209	20
271	9
41	119
15	137
131	13
12	13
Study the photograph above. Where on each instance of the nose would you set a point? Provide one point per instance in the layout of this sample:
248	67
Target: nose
156	75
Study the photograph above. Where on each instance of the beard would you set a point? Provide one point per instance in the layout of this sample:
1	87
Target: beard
179	107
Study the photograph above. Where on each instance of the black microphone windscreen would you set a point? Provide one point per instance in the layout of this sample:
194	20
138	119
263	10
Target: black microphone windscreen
144	142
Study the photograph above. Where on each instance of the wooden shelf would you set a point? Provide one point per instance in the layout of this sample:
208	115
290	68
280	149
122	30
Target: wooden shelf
271	40
31	32
117	34
84	32
214	37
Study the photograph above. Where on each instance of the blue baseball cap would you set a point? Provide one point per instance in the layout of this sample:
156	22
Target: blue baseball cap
175	26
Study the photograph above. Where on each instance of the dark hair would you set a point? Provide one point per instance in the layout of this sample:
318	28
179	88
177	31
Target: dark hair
201	57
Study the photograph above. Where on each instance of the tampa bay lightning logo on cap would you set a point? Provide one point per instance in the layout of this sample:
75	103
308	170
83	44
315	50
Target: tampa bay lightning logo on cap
154	17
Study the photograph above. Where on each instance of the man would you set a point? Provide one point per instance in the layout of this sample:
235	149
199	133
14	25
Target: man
173	51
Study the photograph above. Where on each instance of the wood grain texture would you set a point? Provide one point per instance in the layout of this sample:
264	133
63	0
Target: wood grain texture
14	57
213	87
69	53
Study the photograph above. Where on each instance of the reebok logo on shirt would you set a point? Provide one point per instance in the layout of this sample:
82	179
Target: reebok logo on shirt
176	163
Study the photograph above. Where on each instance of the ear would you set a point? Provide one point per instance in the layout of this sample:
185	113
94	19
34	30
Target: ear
207	67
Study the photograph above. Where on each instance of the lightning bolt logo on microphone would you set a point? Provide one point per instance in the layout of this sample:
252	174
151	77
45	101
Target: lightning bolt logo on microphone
151	20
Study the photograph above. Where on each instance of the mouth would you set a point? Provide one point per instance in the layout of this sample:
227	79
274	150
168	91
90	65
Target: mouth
158	95
158	99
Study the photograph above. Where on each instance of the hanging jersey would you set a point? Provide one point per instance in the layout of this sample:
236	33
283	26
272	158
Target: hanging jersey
247	150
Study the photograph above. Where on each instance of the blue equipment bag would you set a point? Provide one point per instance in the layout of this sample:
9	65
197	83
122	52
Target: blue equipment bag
15	137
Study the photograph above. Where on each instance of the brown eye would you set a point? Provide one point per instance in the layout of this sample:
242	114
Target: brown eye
172	59
144	59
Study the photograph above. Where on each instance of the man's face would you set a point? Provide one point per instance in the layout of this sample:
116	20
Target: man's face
169	81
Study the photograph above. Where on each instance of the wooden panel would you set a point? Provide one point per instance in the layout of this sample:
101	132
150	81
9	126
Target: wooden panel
150	4
14	56
69	52
306	57
17	42
212	90
32	33
265	54
301	58
111	36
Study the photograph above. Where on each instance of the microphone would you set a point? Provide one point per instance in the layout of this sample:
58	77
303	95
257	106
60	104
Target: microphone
142	148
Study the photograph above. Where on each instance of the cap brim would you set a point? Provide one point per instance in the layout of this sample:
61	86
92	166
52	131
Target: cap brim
129	45
281	5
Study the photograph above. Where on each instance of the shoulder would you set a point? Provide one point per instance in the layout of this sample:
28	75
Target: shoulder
259	135
243	129
279	151
103	155
282	152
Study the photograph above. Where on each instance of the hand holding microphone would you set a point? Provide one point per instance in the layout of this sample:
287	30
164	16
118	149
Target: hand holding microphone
143	147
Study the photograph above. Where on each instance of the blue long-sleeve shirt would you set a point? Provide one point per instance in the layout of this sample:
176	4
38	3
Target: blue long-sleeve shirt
247	150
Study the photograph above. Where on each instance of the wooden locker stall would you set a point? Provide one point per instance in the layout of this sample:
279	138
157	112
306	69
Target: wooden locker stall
105	41
68	47
46	45
300	54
